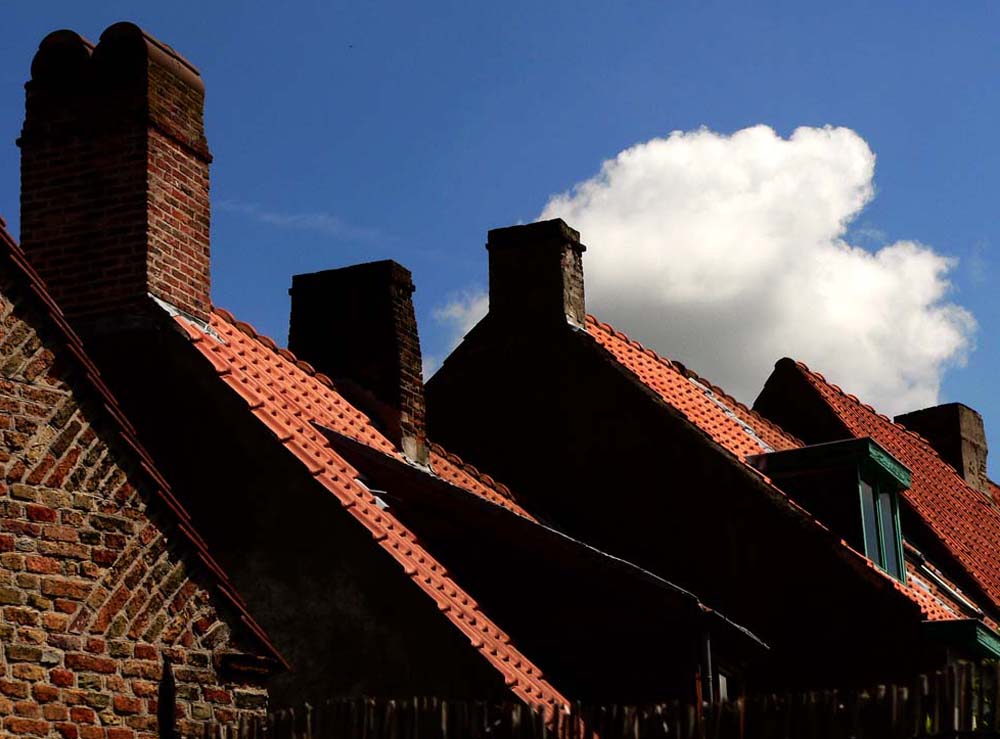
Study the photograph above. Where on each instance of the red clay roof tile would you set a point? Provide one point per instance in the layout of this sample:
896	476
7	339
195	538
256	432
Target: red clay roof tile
966	521
739	430
289	397
728	422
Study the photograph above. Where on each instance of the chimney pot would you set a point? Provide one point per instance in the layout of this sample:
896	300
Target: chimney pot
956	432
357	325
536	274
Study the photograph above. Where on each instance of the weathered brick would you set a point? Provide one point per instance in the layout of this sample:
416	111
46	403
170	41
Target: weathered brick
44	693
82	715
127	705
61	677
14	688
22	653
90	663
246	699
55	712
17	725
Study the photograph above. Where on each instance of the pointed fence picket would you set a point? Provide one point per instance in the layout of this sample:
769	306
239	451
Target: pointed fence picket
959	702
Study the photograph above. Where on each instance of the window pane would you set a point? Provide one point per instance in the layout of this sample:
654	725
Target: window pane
888	521
870	520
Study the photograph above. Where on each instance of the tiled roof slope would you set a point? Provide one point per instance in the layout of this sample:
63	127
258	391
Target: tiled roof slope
730	423
13	258
289	397
964	519
736	428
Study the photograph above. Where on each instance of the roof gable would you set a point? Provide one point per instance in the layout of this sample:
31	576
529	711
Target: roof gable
742	432
964	519
290	399
67	347
730	423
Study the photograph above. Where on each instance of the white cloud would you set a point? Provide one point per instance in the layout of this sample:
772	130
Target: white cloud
458	316
728	252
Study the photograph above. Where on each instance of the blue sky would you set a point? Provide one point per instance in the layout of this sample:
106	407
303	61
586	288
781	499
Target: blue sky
351	132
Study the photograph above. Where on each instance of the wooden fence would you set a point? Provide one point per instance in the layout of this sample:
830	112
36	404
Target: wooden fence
959	702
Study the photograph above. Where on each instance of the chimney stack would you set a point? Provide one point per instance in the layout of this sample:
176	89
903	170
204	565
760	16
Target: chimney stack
536	274
957	435
357	325
114	177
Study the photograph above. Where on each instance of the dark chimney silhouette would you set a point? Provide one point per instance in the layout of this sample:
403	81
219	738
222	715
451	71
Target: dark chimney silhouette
357	325
536	274
956	432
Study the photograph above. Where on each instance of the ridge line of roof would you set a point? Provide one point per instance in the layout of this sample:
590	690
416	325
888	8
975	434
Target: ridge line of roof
691	374
474	472
928	447
160	487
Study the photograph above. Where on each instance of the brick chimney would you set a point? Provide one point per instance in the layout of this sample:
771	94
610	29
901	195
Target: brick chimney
357	325
114	177
957	435
536	274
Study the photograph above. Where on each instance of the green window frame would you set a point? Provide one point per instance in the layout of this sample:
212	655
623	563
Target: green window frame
880	522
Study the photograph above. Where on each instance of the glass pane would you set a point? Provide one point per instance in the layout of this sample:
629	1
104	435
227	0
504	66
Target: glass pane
888	521
870	519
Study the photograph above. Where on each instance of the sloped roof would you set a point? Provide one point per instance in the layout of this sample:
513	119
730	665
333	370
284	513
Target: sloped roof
743	432
728	422
12	258
290	398
965	520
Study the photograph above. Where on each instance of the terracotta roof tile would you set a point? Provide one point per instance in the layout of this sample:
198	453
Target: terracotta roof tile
739	430
67	338
728	422
966	521
289	397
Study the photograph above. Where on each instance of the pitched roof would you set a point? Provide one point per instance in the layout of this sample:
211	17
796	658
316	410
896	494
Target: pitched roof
965	520
743	432
290	398
11	257
730	423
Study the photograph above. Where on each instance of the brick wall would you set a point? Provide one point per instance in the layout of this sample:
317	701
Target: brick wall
96	585
114	177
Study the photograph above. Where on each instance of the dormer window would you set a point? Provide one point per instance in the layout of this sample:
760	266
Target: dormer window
851	486
880	515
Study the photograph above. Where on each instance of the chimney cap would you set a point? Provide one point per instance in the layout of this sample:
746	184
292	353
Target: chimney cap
555	232
943	407
62	56
388	269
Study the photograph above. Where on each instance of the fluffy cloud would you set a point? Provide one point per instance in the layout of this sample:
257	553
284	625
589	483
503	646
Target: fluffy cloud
728	252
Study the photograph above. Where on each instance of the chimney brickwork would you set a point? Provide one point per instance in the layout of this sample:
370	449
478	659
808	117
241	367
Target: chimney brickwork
357	325
536	274
114	177
956	432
